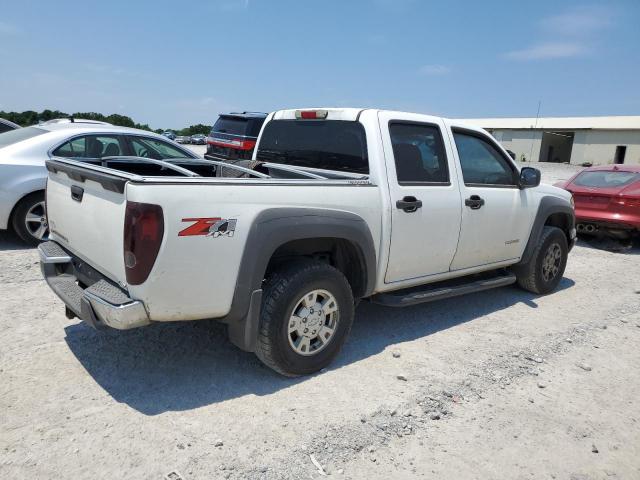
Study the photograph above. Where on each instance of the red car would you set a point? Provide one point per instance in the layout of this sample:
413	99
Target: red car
607	200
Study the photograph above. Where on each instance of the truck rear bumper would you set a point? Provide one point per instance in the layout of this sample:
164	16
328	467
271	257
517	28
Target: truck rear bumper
101	303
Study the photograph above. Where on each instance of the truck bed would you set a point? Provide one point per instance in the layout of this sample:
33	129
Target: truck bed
87	205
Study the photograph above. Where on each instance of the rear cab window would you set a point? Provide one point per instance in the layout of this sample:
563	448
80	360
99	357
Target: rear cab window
337	145
239	126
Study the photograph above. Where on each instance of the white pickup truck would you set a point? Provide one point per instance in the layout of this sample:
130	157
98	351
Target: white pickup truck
337	205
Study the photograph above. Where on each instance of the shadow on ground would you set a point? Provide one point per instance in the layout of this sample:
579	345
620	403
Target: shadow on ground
180	366
627	247
9	241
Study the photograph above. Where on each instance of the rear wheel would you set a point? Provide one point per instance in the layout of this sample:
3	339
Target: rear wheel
30	219
545	268
307	313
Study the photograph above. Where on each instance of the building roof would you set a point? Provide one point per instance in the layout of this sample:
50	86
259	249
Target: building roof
631	122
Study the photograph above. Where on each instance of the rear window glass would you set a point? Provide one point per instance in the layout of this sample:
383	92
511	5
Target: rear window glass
329	145
248	127
19	134
605	179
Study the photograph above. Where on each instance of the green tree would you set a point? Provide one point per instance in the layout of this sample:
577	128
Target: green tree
30	117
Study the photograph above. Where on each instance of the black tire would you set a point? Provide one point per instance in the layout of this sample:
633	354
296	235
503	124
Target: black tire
18	221
536	276
284	289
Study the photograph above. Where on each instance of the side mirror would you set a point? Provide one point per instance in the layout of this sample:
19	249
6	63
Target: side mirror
529	177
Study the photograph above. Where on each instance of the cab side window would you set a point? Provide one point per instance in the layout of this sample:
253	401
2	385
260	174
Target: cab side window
481	162
419	154
90	146
156	149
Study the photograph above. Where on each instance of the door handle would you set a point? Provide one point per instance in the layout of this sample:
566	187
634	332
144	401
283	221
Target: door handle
474	202
409	204
77	193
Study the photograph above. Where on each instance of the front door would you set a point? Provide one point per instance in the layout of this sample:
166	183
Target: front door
425	201
496	216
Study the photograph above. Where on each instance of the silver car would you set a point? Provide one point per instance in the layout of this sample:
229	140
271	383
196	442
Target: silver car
6	125
22	163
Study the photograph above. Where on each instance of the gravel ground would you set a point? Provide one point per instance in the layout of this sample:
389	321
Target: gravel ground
500	384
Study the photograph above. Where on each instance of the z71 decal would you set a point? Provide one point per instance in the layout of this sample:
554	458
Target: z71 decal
211	227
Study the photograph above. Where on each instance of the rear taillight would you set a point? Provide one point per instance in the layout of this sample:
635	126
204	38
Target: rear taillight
237	144
628	202
143	231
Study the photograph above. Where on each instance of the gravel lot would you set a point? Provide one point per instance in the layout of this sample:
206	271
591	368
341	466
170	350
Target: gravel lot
499	384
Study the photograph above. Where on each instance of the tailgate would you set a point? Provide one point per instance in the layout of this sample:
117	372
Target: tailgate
85	210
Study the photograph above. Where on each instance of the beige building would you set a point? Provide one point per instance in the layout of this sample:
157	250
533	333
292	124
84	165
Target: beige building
577	140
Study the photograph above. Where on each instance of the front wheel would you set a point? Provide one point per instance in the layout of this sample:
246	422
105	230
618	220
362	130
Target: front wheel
30	219
307	313
546	266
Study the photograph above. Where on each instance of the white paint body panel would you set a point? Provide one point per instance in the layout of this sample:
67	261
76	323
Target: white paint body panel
195	276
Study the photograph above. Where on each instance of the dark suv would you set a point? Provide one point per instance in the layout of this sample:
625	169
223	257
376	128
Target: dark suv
234	135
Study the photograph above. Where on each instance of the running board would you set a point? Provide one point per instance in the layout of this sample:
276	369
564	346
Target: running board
441	290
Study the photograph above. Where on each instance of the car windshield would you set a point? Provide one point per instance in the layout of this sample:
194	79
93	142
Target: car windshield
605	179
18	135
328	145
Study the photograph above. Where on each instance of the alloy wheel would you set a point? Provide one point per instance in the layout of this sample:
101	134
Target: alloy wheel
551	262
313	322
36	221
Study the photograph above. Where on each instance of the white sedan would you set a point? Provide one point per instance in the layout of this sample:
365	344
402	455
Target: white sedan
22	163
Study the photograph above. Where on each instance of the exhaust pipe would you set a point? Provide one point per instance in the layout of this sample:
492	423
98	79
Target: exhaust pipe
580	227
589	228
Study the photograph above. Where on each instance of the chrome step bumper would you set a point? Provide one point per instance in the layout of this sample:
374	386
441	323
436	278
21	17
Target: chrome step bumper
102	304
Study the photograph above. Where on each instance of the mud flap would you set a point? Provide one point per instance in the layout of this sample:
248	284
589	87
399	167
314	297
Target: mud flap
244	333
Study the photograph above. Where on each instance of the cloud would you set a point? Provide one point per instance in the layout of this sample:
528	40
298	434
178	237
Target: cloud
568	34
549	50
432	70
578	21
8	29
104	69
232	5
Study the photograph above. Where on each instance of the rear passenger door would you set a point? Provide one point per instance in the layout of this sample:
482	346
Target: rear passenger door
425	210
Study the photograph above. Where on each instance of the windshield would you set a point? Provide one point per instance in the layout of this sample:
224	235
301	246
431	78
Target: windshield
605	179
329	145
18	135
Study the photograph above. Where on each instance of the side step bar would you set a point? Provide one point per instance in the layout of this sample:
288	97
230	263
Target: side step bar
439	291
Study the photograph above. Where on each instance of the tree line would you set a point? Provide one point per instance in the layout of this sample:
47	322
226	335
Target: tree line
30	117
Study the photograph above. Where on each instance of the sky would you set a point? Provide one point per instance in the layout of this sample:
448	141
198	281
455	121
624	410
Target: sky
174	64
